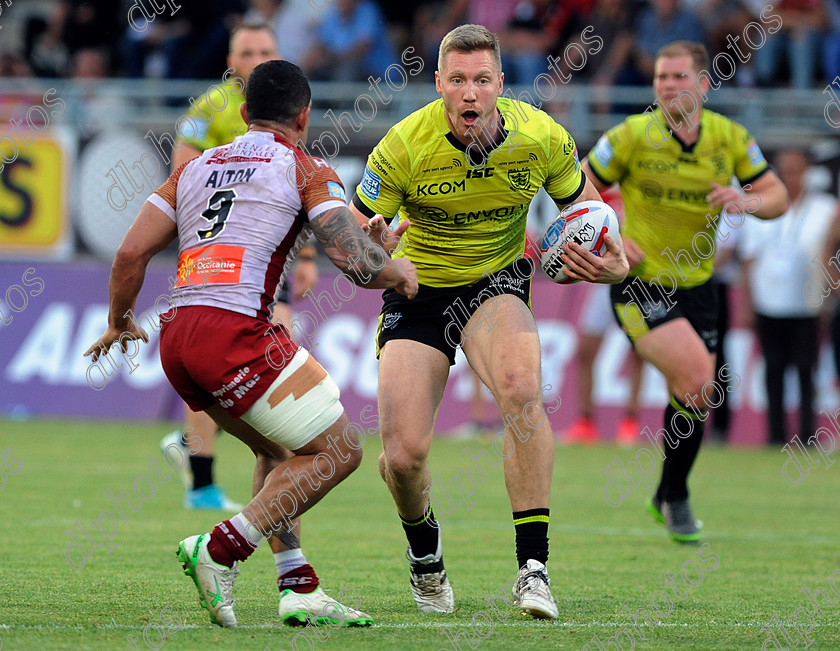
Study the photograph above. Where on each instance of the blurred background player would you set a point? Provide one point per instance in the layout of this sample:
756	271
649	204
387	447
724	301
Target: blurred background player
784	261
676	328
596	318
250	45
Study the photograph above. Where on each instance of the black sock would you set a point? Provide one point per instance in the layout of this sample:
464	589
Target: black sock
531	528
202	471
422	534
685	426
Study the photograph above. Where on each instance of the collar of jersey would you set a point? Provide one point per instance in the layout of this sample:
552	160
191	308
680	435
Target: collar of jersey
479	155
686	149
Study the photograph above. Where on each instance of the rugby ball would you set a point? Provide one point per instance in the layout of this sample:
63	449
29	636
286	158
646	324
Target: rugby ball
586	223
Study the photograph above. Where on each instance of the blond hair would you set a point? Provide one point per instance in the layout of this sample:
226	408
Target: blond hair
470	38
250	26
697	52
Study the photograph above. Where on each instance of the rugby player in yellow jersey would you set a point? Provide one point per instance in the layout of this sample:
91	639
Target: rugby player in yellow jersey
674	167
217	120
462	172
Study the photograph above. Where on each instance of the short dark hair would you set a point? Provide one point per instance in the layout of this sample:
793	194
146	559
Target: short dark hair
277	91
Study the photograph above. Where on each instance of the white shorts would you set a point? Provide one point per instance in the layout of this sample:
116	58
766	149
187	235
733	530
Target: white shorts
298	406
597	313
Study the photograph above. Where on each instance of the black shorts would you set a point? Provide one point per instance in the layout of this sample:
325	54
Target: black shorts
437	315
639	307
283	295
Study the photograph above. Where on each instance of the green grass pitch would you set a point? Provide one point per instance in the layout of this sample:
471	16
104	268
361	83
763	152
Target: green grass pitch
769	539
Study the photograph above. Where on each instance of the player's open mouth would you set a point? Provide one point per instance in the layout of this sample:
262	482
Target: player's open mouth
469	117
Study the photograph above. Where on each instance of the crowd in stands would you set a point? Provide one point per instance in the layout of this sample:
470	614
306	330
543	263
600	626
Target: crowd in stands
348	40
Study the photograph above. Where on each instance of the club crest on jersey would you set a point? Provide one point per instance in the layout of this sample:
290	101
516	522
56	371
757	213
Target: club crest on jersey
520	179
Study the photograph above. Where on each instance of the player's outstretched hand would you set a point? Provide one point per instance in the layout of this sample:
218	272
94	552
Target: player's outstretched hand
407	285
378	231
584	265
111	336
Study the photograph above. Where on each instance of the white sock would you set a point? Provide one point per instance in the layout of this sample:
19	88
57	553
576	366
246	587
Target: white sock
247	530
289	560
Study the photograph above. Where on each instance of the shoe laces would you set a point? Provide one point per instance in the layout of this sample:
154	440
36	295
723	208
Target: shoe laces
226	579
428	584
531	579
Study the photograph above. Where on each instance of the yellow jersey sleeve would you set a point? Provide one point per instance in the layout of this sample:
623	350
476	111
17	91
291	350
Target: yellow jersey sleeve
608	158
565	179
749	160
214	118
385	180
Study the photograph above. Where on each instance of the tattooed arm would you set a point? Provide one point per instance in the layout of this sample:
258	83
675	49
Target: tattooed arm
351	250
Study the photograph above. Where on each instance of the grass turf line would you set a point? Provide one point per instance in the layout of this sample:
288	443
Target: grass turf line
771	539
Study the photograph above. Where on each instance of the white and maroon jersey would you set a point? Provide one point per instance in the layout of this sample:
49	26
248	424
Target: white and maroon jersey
242	212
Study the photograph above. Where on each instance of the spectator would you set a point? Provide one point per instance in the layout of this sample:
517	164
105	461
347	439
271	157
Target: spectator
292	21
189	44
14	105
92	108
797	43
197	47
400	17
784	262
89	24
432	22
663	22
721	18
610	21
352	43
831	42
726	275
528	38
75	25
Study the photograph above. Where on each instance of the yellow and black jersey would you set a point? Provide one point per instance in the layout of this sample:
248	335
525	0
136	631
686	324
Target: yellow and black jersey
467	220
664	185
214	119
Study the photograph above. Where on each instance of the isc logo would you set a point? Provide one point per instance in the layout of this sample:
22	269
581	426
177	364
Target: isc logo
480	173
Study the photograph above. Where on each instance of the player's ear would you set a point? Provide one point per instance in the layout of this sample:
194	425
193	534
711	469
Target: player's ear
501	82
303	118
243	111
437	82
